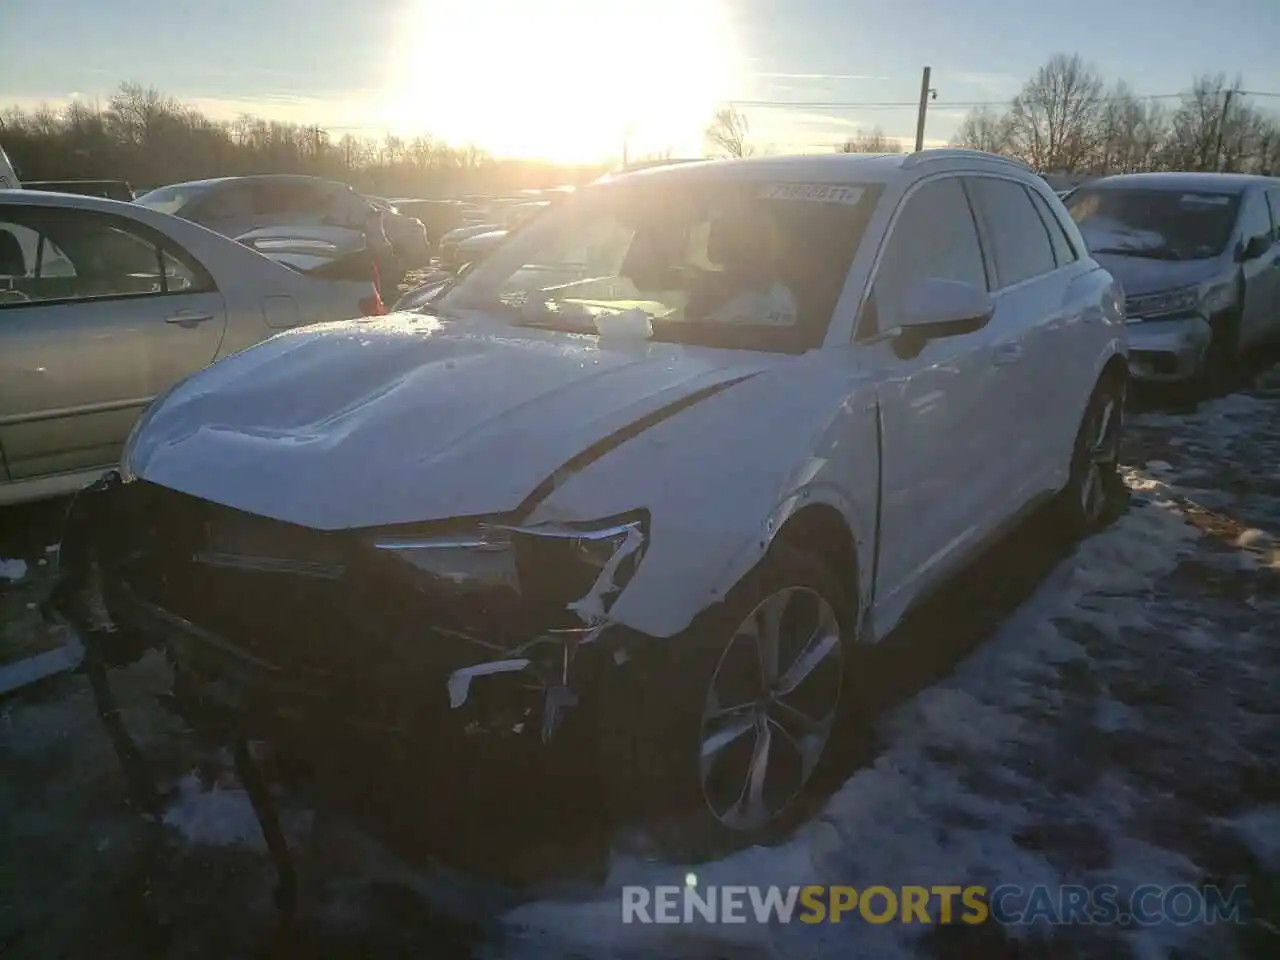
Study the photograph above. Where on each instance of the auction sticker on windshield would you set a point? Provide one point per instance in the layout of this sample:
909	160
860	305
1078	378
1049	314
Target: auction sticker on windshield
825	192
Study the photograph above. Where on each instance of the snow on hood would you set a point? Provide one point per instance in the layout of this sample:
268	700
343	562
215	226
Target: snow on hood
1139	276
1102	233
407	418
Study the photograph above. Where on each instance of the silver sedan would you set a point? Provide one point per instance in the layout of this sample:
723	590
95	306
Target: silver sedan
104	305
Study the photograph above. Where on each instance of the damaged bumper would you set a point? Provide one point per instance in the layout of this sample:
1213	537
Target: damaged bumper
1168	351
409	643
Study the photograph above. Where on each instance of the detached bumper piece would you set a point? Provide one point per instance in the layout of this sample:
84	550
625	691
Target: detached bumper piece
88	592
309	640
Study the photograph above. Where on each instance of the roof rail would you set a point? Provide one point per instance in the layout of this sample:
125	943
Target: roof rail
959	153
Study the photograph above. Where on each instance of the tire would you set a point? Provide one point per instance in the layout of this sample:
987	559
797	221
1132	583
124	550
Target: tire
653	729
1095	493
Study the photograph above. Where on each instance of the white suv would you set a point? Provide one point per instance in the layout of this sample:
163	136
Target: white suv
656	471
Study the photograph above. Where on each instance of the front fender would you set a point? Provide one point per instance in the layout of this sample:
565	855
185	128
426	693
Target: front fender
720	479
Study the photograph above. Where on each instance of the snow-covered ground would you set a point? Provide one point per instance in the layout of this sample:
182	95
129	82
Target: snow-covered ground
1118	725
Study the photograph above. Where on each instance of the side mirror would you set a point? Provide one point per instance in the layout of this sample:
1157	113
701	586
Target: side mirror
1253	248
935	308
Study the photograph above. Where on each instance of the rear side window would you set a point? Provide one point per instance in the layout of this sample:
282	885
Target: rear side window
66	254
934	238
1019	241
1063	251
272	198
1273	201
221	203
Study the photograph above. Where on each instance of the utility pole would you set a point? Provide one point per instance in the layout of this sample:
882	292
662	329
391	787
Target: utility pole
626	145
925	91
1222	122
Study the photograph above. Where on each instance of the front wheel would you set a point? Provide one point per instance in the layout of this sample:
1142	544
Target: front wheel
1095	490
723	747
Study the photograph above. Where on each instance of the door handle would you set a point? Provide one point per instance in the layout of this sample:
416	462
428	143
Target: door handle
1008	353
188	317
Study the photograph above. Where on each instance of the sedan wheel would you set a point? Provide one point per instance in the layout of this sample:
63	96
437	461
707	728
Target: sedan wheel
771	708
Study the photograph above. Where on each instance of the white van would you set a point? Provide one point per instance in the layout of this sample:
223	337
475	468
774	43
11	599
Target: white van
8	179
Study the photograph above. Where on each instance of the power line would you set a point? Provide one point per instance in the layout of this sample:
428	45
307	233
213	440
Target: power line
970	104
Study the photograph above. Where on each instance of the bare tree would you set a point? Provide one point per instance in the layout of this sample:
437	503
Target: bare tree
728	132
1053	120
871	141
150	139
984	129
1203	123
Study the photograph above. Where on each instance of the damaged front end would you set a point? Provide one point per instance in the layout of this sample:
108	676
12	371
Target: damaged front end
409	641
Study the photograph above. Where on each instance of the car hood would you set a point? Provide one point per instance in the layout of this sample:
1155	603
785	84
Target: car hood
1140	276
408	418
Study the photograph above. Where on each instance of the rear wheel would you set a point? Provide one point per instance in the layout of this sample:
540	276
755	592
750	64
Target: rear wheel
725	746
1095	490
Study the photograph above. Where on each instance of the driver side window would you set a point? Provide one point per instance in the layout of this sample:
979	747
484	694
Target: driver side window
934	237
1255	221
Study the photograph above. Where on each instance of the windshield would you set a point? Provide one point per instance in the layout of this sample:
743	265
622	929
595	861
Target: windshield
1159	224
741	264
171	199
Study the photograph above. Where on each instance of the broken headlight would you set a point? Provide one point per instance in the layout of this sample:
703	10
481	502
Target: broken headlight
578	568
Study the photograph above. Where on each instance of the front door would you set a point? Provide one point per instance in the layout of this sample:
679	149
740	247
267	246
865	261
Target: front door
935	453
1261	274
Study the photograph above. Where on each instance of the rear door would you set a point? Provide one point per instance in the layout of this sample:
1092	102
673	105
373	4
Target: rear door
106	314
1033	361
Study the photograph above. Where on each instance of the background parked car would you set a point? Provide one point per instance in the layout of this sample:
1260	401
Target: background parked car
104	305
408	234
456	248
109	189
233	206
1198	256
438	216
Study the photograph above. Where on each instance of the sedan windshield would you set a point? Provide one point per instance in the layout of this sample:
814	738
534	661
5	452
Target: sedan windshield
746	264
170	199
1158	224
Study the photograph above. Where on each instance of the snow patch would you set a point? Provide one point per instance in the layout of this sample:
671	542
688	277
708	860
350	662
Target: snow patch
217	817
12	570
1259	830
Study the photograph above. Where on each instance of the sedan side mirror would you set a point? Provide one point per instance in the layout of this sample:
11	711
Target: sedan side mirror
1254	247
934	308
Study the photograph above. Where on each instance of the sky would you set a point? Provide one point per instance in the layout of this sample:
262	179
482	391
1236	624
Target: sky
572	79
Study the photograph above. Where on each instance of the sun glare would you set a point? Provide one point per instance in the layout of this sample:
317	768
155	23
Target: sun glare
562	80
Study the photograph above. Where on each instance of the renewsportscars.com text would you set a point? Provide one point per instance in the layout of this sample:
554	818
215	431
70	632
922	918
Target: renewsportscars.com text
943	904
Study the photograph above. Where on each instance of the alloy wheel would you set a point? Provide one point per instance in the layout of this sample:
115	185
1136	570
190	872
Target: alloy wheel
771	708
1101	452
